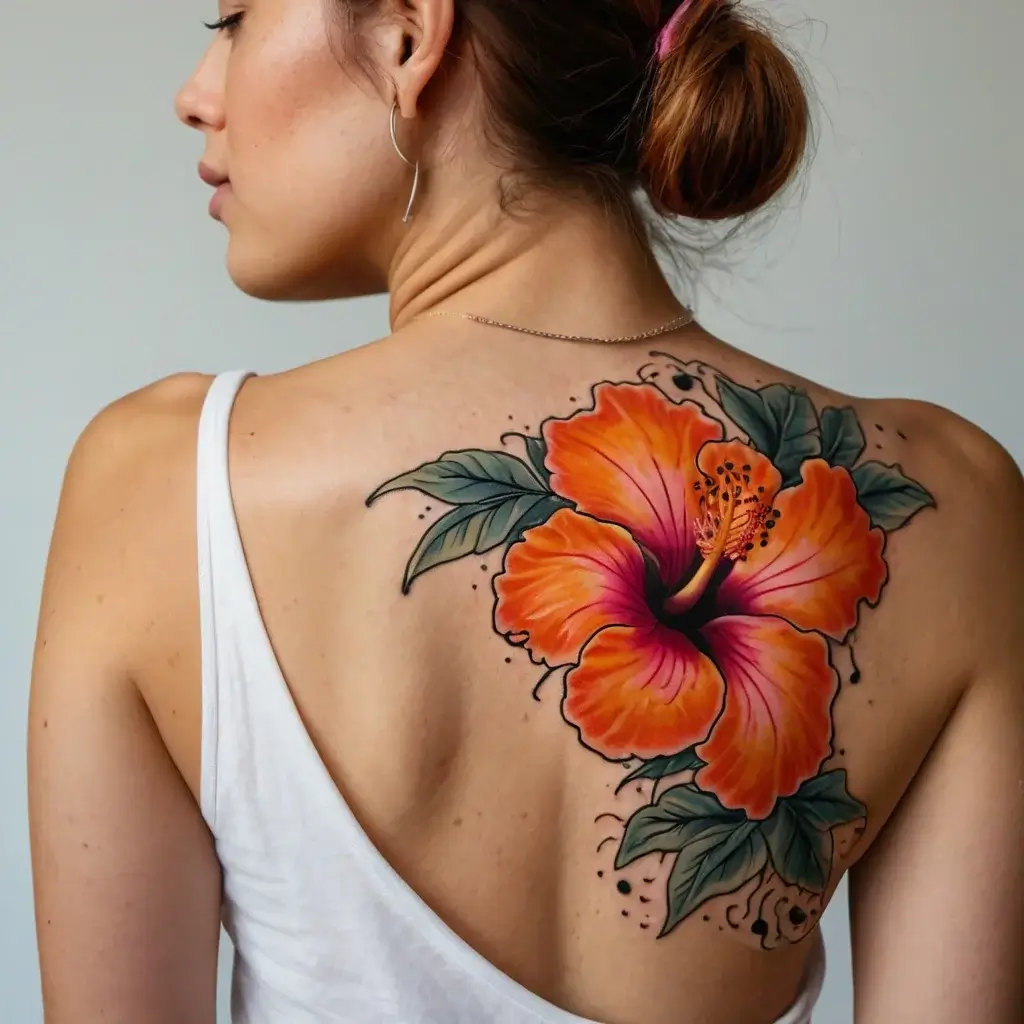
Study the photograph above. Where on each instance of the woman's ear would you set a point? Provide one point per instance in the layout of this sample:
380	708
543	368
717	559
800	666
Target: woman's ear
417	36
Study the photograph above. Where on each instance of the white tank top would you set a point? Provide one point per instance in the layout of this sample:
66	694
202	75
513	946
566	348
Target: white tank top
324	928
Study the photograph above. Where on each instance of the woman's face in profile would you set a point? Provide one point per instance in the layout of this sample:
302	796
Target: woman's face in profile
299	136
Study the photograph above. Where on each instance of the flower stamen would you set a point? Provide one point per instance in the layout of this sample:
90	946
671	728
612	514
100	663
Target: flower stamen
732	515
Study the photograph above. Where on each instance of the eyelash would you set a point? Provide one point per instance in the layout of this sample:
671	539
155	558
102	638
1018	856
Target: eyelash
226	24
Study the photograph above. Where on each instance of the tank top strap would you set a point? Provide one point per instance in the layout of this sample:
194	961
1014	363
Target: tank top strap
216	528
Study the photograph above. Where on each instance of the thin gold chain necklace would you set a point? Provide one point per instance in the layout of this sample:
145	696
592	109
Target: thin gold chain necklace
672	325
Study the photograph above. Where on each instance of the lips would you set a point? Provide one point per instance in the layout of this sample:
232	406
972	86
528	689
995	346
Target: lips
211	176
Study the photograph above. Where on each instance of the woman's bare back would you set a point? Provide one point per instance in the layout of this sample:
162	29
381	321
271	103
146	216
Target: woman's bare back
632	783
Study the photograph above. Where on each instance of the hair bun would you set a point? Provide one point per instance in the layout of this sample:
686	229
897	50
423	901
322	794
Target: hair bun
729	116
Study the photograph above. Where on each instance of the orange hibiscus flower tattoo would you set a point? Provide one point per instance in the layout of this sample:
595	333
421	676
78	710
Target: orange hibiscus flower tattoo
688	585
691	597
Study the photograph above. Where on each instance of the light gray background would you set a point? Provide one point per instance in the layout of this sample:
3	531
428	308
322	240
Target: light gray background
899	274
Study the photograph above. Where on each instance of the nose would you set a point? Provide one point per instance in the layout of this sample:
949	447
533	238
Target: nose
200	101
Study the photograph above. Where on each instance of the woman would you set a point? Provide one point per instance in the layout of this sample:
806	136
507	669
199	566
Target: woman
519	676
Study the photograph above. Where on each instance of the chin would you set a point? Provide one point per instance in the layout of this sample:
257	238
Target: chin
274	277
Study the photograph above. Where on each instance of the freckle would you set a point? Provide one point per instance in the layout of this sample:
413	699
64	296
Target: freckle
474	586
842	752
511	417
648	880
878	446
252	433
625	913
48	921
46	724
706	918
422	516
508	661
429	509
901	435
639	789
600	874
483	568
878	426
524	816
100	598
85	846
871	703
572	399
644	925
645	899
457	823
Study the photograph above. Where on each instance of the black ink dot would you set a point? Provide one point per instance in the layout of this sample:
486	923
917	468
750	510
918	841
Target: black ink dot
683	381
624	887
643	925
625	913
797	916
706	917
647	881
429	509
483	568
645	899
422	516
760	927
508	661
600	874
770	524
855	676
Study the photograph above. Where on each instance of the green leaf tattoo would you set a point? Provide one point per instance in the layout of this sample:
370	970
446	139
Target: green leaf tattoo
889	497
668	825
718	858
780	422
467	478
662	767
801	854
842	440
478	528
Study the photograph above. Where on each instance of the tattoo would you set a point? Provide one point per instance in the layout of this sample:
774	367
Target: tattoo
688	555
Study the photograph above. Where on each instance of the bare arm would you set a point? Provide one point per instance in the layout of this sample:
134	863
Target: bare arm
127	886
938	903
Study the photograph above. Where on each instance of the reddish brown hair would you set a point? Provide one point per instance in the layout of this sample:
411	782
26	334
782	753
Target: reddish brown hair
576	93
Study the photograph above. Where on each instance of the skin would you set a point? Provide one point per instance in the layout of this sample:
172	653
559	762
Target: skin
127	882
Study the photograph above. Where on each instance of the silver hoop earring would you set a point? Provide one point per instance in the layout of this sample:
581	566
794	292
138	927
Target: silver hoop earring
407	161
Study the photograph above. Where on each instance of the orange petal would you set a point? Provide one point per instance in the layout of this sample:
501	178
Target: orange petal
632	460
566	580
642	692
776	729
821	560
